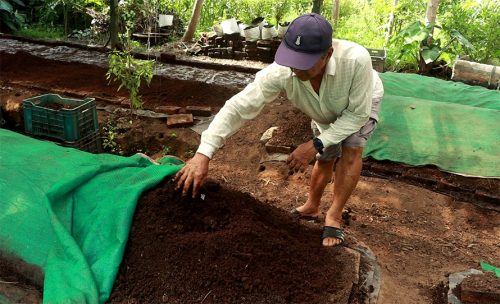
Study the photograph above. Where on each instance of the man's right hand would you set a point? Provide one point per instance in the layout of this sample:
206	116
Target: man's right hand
193	174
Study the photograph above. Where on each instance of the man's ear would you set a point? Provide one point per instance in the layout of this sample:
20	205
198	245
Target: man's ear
330	52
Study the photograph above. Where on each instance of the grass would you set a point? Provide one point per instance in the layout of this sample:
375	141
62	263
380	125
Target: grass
41	32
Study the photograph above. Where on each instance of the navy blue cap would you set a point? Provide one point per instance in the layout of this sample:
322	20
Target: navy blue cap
307	38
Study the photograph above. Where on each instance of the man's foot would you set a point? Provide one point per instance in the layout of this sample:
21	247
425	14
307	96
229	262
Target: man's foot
330	239
309	218
308	210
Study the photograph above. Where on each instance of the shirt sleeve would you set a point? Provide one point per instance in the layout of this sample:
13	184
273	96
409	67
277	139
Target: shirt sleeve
358	109
240	108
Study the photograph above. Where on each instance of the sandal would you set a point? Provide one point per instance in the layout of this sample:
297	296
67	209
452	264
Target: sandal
333	232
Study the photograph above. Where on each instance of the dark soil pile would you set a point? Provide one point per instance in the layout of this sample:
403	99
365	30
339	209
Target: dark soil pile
294	128
91	80
227	248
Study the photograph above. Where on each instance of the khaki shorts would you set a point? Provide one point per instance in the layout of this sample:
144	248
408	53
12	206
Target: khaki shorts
357	139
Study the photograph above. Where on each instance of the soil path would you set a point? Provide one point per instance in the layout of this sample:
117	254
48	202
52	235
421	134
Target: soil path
418	236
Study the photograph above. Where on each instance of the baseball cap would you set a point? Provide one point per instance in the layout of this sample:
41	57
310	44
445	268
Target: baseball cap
307	38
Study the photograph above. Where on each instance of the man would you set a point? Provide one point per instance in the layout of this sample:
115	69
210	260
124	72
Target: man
332	82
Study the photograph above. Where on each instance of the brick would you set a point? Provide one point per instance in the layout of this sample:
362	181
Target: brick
199	110
277	149
170	110
180	120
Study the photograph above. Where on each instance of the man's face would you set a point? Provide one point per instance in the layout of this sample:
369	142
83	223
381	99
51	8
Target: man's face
317	69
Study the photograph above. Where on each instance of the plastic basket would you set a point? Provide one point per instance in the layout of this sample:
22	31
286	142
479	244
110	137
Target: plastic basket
76	121
91	143
378	59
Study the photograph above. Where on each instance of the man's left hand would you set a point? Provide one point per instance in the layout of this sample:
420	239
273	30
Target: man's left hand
302	156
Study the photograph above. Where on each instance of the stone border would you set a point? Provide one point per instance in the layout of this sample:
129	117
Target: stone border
164	57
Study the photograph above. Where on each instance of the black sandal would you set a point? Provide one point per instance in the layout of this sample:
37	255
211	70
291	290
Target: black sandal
333	232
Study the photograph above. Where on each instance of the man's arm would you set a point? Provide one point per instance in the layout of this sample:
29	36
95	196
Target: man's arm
243	106
358	110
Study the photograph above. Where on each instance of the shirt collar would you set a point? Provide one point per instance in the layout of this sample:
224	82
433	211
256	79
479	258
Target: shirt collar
331	66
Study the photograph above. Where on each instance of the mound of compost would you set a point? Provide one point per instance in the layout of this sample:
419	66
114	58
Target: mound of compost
226	248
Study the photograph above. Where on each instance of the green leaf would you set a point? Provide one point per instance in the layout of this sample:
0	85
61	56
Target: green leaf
19	2
430	54
456	34
6	6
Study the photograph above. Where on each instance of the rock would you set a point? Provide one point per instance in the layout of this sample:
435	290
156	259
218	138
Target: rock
12	110
267	135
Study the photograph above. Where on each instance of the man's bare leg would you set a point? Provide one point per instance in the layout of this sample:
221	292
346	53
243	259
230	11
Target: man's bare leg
321	175
347	174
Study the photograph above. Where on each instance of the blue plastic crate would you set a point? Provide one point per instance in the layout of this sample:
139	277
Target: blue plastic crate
61	118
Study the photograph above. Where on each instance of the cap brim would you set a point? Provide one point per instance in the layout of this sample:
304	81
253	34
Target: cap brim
297	60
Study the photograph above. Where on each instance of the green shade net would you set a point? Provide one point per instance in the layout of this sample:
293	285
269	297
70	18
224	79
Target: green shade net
70	212
428	121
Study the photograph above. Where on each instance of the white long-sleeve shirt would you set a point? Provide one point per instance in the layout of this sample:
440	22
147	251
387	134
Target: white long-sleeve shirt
342	107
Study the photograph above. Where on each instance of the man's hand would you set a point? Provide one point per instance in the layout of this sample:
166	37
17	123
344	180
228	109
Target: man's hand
302	156
192	174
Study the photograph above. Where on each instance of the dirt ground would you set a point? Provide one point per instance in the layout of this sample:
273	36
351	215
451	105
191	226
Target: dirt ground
227	248
418	236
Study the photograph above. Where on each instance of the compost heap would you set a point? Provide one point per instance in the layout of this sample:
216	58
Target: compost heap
226	248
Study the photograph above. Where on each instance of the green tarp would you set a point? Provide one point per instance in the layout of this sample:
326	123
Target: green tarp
428	121
70	212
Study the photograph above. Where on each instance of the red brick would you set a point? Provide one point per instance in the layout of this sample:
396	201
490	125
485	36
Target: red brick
199	110
170	110
180	120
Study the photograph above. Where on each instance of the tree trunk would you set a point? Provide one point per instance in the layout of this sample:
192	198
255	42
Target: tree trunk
430	15
193	23
390	23
335	13
476	74
65	17
113	24
317	4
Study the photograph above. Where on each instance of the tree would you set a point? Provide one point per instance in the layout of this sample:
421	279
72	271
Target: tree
336	12
317	4
193	22
428	45
390	22
430	15
113	26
